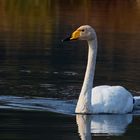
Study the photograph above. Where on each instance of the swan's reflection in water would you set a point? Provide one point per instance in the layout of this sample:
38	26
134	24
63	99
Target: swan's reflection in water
102	125
84	126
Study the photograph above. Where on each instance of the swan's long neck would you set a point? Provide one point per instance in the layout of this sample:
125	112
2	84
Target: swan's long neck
84	102
89	75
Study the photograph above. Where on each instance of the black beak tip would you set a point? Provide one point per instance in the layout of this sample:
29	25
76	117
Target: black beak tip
66	39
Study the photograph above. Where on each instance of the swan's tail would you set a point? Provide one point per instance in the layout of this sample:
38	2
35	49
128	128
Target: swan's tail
136	102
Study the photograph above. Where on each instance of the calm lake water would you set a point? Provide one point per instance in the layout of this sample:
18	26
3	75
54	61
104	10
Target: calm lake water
36	65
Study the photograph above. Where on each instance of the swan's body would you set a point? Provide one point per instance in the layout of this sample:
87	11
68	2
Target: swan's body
111	99
101	99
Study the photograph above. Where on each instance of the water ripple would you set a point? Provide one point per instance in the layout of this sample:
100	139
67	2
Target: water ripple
41	104
37	104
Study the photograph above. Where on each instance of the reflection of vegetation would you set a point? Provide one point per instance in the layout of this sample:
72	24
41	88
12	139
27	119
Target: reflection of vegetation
29	18
28	26
34	14
25	21
20	14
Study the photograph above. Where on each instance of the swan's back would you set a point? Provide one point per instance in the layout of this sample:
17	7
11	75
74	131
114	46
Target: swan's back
111	99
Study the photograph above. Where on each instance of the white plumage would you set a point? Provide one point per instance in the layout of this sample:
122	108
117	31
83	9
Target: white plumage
111	99
101	99
102	125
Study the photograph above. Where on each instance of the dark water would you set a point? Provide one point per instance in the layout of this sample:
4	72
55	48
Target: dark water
25	125
35	63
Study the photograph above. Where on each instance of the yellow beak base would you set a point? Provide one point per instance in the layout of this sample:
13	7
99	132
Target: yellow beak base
75	35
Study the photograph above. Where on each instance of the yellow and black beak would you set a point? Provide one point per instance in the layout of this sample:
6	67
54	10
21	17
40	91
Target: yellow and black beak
75	35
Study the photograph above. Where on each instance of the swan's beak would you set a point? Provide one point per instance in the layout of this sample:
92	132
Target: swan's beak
66	39
75	35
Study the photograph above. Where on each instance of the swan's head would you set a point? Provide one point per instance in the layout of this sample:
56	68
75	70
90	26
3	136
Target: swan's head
84	32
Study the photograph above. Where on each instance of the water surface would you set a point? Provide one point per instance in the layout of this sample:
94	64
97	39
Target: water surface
46	125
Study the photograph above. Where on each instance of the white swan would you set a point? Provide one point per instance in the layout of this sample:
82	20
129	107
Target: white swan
101	99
